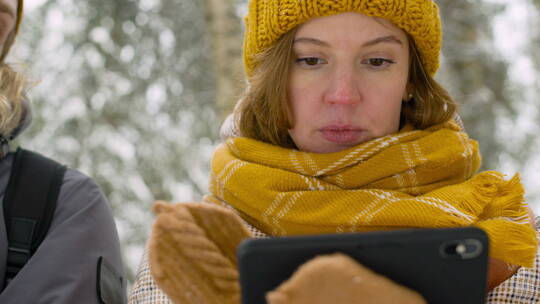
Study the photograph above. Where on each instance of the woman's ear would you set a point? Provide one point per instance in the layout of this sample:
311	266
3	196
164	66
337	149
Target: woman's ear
408	93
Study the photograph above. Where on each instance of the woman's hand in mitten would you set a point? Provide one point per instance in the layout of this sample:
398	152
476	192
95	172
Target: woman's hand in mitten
193	252
338	279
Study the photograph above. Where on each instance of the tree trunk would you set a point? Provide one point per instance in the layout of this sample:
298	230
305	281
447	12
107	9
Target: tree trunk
226	40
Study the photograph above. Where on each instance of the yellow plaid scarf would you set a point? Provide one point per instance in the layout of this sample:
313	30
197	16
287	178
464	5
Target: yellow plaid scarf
414	178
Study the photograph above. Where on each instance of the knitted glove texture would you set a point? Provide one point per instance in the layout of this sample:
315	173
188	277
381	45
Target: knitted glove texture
193	252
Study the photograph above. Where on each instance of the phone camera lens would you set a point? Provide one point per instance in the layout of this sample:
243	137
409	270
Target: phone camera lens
461	249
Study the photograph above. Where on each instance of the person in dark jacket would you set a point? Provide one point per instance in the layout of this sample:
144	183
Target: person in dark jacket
64	269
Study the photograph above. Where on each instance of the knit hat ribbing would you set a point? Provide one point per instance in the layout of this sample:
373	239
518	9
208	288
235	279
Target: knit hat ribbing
268	20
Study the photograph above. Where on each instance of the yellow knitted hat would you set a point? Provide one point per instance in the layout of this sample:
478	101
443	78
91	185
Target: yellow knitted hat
268	20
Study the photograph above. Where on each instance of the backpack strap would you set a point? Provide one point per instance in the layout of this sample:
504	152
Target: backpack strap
29	205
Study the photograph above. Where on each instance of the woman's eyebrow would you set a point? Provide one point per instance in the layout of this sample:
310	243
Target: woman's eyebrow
311	40
385	39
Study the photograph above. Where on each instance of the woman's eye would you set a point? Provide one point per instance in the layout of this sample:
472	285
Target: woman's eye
379	62
310	61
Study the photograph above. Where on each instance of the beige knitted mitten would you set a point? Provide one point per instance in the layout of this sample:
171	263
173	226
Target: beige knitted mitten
338	279
193	252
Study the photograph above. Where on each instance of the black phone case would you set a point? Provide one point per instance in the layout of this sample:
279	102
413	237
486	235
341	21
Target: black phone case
446	266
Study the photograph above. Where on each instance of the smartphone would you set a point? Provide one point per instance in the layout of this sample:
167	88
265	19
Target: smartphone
446	266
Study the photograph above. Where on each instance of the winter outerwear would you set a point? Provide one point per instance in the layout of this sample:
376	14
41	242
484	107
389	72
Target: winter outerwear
268	20
64	268
413	178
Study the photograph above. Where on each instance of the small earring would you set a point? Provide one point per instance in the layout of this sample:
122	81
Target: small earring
409	97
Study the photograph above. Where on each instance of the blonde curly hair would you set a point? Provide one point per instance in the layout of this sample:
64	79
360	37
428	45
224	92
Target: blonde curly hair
12	85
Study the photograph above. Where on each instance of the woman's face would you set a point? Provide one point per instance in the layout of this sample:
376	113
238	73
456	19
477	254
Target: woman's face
348	81
8	16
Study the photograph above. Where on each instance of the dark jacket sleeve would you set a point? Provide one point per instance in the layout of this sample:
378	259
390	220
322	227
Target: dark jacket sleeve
64	268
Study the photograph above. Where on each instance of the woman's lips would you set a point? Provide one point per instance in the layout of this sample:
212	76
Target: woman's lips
341	134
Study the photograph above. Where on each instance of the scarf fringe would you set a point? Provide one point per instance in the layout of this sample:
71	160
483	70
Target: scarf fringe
510	242
506	198
486	195
505	219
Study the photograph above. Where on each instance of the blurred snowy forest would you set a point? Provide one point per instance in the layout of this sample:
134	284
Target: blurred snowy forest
132	92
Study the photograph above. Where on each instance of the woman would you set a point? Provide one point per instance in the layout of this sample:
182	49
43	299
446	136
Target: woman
342	128
79	258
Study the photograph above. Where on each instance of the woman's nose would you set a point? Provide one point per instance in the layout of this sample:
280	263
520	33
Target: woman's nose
343	89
